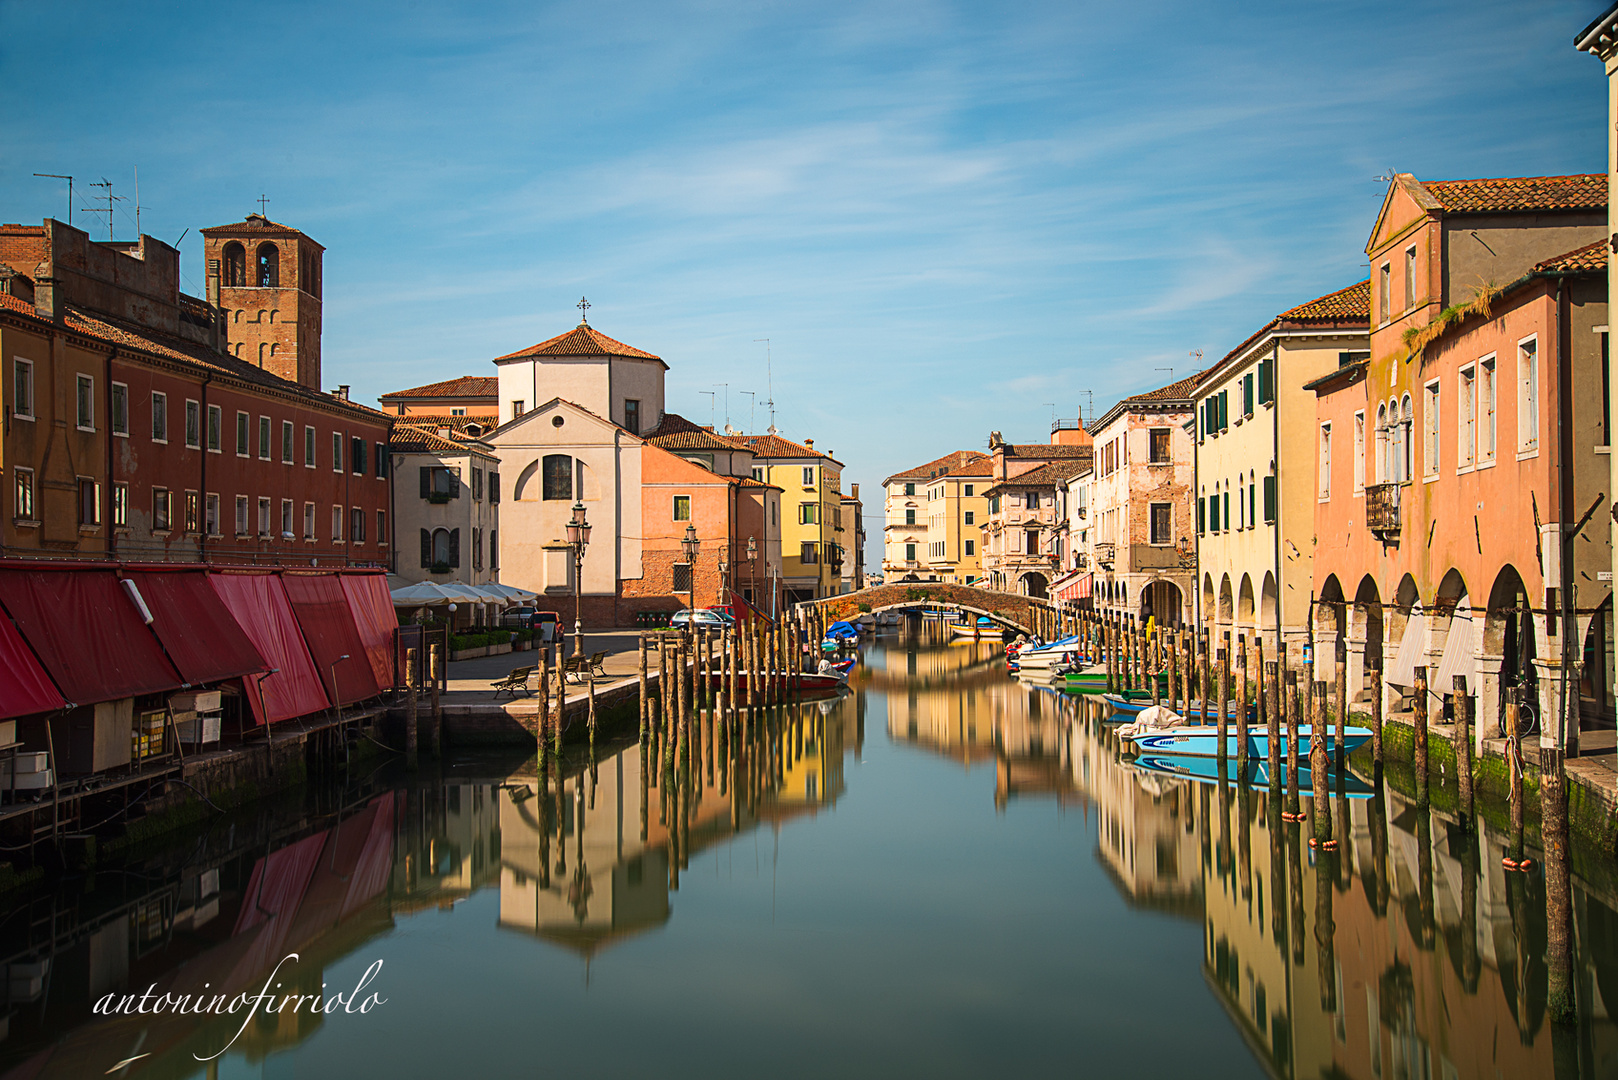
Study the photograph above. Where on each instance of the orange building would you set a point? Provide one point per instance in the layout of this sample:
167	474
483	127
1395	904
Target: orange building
468	395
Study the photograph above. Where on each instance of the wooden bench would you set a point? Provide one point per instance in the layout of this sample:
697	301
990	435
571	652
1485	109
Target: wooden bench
517	680
575	668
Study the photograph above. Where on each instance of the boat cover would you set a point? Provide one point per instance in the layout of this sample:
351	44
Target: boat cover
198	632
87	633
260	606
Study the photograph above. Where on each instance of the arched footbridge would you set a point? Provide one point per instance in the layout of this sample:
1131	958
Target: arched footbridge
1025	613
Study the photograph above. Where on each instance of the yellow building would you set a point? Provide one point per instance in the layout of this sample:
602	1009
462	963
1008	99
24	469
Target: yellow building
813	542
933	517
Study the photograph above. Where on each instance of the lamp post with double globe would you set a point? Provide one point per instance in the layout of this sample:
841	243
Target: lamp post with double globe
578	536
690	545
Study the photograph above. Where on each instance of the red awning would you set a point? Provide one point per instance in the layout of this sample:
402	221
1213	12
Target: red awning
260	607
328	627
87	633
1074	587
25	688
199	633
371	607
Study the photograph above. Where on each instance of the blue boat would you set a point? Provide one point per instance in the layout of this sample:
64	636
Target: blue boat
1195	714
840	635
1202	740
1204	770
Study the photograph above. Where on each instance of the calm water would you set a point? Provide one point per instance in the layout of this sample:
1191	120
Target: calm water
943	873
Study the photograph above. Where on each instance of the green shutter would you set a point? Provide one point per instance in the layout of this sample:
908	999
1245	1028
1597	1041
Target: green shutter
1202	515
1269	499
1247	396
1266	382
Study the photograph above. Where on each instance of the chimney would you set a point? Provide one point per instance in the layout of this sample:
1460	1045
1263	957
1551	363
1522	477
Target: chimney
341	393
49	299
854	492
810	443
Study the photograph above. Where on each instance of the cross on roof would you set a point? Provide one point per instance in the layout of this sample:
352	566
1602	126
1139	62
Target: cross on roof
263	204
584	310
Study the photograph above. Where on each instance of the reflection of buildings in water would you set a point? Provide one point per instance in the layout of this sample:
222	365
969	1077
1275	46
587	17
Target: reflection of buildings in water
1431	960
596	866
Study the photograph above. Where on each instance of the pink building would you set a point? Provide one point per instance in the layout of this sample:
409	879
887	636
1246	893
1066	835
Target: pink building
1455	463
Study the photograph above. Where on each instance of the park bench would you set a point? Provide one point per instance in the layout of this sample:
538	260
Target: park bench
580	665
517	680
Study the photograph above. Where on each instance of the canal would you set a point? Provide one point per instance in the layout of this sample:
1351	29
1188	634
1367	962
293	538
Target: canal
944	872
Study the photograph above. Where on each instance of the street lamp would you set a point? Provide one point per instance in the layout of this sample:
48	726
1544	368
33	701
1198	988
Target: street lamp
752	559
578	535
690	545
724	593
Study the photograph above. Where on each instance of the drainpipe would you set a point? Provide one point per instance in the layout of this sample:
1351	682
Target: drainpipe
202	469
1275	459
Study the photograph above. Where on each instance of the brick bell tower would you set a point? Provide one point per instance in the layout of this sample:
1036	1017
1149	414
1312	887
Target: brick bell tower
266	280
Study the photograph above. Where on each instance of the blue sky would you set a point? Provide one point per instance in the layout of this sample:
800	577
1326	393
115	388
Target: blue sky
945	217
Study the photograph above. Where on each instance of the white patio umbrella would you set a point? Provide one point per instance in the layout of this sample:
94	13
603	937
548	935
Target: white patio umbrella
422	594
511	591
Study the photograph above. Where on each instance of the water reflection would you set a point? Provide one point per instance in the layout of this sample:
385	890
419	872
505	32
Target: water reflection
1408	952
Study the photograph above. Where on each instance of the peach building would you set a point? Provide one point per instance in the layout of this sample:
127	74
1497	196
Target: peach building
1455	463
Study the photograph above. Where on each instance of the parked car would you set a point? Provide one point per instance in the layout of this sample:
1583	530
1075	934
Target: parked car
545	623
516	618
703	619
739	611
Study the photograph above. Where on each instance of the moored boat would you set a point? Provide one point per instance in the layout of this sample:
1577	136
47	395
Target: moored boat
1205	770
1202	740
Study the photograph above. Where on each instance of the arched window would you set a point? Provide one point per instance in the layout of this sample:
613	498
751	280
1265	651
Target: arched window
235	265
1406	430
269	266
1381	462
558	477
441	547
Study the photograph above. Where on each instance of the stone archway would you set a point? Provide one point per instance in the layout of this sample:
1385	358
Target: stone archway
1033	584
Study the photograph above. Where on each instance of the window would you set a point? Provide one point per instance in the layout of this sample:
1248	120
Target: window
682	577
308	521
1266	381
1224	511
1247	394
337	525
558	477
382	531
193	512
336	451
1325	462
1410	277
264	438
910	552
1486	411
494	543
971	547
356	532
1159	445
193	424
264	517
477	548
1252	504
1429	430
356	463
809	514
971	517
1162	523
967	490
286	519
682	508
1384	292
160	417
241	515
269	266
477	484
1466	435
1405	450
235	265
808	476
517	408
910	489
86	401
1030	541
457	412
440	483
1359	451
216	421
1031	500
632	416
910	517
120	409
210	514
1269	500
162	516
89	502
22	389
1202	515
120	504
1528	396
758	473
308	447
381	460
242	444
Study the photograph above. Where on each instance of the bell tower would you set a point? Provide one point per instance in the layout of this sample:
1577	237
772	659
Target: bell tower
265	278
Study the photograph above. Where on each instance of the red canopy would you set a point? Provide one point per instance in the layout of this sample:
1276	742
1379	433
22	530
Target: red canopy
329	628
26	688
200	634
87	633
371	606
260	607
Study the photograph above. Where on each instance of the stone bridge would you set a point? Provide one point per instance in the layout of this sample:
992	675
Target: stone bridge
1026	613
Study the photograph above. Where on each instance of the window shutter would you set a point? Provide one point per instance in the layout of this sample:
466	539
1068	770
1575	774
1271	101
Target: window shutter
1247	396
426	546
455	549
381	460
426	481
1252	503
1269	499
494	487
1226	514
1202	515
454	483
1224	410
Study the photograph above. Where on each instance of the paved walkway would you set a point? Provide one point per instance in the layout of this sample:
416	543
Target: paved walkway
469	679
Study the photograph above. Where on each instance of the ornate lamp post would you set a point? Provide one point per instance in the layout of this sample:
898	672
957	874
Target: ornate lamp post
752	561
578	535
690	545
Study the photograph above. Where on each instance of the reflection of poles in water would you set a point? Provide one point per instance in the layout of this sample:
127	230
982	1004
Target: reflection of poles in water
1225	855
1326	929
1527	957
1424	877
1471	965
1560	1003
1272	724
1379	845
1278	868
1293	707
1514	765
1244	836
1294	842
1241	708
645	778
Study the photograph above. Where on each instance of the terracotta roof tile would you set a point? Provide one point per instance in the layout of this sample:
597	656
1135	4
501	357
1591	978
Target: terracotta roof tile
16	304
459	424
256	225
675	432
1353	302
582	340
773	446
1057	472
417	439
1047	451
1179	390
1588	259
1585	191
940	466
462	387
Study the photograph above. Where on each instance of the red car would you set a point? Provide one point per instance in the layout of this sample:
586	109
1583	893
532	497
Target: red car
739	610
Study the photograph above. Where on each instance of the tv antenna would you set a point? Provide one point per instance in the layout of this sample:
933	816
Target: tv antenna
769	382
726	385
1196	357
1387	176
710	405
69	179
1089	396
111	200
1167	369
752	409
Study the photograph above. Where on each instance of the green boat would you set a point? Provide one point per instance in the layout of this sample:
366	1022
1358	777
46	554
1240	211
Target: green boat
1095	682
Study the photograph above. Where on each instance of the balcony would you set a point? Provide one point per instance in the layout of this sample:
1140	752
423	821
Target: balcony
1105	555
1382	508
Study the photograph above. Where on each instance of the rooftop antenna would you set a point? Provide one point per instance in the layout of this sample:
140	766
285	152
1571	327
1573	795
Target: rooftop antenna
1196	357
710	405
137	203
69	179
726	385
1387	176
1052	404
111	199
769	382
1089	396
752	410
1167	369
